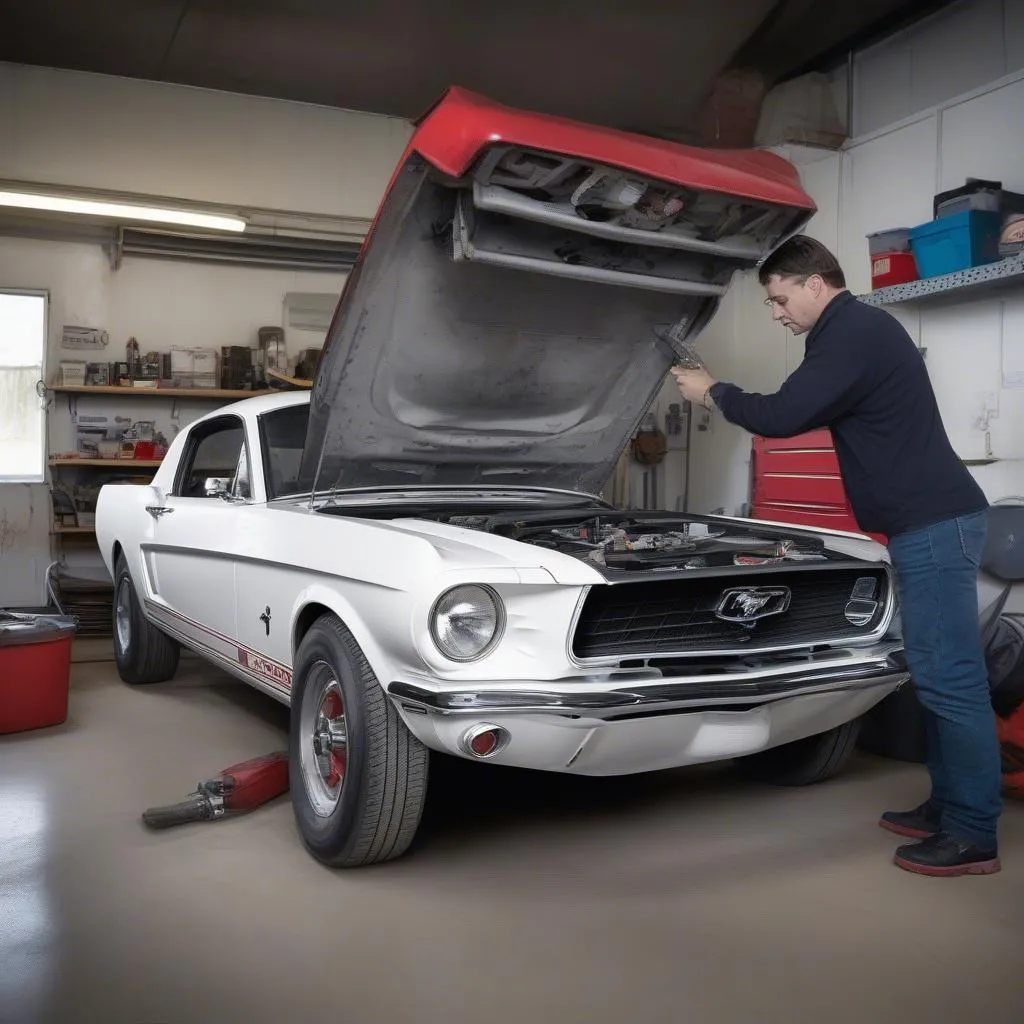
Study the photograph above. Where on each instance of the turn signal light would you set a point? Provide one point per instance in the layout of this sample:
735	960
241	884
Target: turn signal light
482	741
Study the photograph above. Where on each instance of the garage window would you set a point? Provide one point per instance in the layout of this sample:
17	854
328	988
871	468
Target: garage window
22	409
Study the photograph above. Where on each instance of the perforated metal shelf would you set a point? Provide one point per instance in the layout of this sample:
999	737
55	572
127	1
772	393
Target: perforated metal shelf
976	282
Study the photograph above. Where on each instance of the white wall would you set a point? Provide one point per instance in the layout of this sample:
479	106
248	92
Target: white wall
68	128
963	47
919	133
97	131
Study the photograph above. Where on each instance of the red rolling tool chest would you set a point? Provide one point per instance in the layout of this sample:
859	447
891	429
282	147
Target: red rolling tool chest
797	480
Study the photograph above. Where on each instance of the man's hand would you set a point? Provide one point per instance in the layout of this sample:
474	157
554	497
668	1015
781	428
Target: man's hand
693	384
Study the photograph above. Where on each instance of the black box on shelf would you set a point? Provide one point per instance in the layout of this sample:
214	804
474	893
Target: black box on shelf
977	194
236	367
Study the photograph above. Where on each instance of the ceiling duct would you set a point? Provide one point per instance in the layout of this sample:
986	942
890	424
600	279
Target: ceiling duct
250	249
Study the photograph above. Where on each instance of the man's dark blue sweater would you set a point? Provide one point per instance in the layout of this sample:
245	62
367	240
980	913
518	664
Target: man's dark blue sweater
863	378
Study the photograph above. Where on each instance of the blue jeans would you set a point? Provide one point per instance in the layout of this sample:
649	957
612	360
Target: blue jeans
937	578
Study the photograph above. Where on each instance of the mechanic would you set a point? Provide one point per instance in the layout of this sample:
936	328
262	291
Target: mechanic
863	377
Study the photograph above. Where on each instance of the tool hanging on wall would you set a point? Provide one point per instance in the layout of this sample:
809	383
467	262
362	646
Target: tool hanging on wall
237	790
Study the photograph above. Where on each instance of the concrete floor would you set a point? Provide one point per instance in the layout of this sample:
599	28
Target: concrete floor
680	897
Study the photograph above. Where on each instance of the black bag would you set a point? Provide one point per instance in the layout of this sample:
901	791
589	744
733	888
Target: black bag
1004	659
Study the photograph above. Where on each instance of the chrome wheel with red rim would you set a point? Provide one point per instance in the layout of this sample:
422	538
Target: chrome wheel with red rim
364	775
324	752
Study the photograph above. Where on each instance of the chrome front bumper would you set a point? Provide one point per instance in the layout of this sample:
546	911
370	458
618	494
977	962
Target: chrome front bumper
617	725
620	697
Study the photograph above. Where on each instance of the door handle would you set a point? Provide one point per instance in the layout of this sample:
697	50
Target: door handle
156	511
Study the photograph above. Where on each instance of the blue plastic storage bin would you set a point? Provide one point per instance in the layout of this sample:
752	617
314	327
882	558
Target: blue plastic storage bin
963	240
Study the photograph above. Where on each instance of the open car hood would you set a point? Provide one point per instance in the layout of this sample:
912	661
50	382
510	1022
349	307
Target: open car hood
522	293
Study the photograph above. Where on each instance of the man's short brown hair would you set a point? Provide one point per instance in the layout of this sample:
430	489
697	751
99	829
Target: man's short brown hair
802	257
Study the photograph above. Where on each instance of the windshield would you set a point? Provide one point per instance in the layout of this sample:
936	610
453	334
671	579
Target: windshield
283	434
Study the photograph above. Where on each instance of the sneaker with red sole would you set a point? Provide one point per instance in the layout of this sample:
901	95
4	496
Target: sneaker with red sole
945	856
921	823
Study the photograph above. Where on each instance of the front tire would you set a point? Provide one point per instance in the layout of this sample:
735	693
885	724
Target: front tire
359	777
143	653
806	761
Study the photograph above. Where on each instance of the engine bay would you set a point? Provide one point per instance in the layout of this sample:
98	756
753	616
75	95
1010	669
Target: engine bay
630	541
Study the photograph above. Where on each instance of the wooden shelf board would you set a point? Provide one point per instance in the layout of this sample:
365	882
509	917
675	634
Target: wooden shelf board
213	393
109	463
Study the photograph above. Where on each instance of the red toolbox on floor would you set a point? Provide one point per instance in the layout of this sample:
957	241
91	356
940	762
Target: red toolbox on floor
35	670
797	480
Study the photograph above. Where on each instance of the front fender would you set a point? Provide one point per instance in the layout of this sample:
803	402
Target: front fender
333	600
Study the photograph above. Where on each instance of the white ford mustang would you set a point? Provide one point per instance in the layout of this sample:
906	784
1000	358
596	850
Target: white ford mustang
412	555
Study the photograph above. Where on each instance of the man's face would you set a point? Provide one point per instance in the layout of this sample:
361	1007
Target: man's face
795	302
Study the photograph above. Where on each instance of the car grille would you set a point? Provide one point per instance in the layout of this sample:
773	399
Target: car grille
648	618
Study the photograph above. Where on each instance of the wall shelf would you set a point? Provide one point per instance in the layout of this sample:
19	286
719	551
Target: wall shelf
211	393
75	391
108	463
973	283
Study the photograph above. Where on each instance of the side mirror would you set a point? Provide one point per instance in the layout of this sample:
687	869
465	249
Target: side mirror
216	487
220	487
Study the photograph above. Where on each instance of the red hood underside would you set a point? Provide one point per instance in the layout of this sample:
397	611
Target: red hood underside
454	131
522	292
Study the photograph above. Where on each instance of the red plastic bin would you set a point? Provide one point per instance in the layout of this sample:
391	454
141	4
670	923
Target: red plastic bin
889	268
35	670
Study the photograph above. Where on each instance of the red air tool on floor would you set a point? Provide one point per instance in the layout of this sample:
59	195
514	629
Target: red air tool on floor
236	790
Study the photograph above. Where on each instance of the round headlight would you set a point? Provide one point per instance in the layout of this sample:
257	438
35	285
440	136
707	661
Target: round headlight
466	622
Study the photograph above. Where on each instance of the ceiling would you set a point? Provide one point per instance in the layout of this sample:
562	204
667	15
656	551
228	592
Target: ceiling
645	65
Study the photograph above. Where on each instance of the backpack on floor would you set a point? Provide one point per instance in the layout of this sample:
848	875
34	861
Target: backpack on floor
1011	745
1004	658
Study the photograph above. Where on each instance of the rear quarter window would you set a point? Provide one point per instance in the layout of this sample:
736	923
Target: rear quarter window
283	437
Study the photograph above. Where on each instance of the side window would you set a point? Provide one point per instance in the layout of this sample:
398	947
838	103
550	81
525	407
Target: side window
216	462
283	434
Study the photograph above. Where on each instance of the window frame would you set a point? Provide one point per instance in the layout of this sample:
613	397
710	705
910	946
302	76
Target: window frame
42	476
198	434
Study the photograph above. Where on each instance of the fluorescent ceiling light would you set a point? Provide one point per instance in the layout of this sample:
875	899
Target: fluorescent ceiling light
125	211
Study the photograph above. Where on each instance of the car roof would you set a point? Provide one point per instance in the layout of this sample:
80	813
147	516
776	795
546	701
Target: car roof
260	404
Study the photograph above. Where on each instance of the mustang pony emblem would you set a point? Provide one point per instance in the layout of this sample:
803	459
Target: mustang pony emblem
748	604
